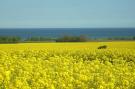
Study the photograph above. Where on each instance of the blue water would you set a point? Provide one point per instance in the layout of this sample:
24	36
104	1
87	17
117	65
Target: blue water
57	32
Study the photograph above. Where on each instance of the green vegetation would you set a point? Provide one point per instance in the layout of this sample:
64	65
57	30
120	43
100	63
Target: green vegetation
38	38
122	38
80	38
66	38
102	47
10	39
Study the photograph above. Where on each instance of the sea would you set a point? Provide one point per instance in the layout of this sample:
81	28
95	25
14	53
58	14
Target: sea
58	32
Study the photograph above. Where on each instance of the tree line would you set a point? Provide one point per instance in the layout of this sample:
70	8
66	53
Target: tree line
10	39
66	38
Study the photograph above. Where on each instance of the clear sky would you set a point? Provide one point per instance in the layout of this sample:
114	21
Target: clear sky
66	13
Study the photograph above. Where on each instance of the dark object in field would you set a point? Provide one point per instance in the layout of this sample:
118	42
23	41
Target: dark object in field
102	47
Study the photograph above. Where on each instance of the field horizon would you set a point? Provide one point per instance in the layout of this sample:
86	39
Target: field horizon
93	45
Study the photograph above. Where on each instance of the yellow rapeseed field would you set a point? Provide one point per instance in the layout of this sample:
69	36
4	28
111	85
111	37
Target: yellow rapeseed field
78	45
67	65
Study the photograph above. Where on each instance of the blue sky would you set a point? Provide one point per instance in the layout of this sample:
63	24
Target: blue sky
66	13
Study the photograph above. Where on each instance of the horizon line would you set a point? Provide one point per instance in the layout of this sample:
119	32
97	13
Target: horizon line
60	27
